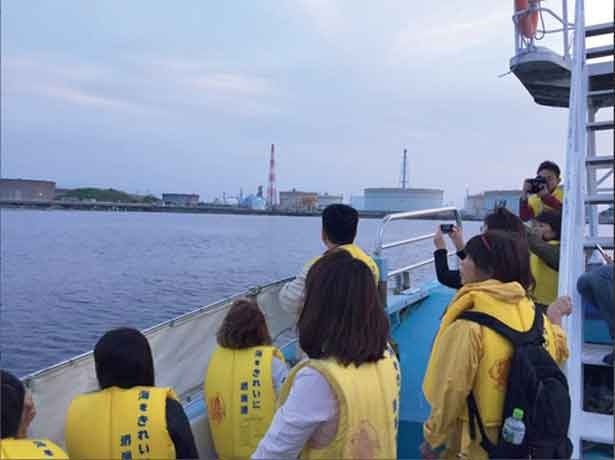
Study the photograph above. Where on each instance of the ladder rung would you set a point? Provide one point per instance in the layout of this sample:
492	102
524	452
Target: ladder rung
600	125
599	29
599	51
599	161
593	353
596	427
599	198
601	97
604	241
601	93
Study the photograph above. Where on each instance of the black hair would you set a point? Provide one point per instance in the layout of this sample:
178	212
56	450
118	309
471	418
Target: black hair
502	219
13	396
502	255
549	165
554	219
123	358
339	222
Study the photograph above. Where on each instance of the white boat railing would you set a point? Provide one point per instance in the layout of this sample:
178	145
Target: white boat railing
402	274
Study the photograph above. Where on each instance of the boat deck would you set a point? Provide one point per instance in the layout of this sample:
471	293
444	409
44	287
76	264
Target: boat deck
414	338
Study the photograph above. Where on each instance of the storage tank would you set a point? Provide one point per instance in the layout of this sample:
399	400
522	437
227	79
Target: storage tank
402	199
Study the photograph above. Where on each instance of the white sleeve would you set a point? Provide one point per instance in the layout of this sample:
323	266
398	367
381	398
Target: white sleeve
279	372
291	295
311	403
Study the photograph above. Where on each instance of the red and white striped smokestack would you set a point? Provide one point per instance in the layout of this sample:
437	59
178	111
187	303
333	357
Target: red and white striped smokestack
272	194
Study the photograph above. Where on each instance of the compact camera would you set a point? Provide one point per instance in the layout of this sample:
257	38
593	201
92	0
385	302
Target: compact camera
447	228
537	184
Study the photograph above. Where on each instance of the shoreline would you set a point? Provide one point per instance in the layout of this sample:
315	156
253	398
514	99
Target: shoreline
146	207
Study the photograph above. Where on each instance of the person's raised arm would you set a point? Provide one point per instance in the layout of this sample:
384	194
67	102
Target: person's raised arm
525	210
447	277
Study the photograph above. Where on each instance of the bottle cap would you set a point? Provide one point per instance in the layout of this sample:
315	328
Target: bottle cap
518	414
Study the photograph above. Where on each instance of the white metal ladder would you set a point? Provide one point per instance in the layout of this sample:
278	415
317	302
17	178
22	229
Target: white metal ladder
584	192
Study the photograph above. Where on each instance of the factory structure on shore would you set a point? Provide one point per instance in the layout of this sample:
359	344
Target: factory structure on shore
27	190
378	199
478	205
396	199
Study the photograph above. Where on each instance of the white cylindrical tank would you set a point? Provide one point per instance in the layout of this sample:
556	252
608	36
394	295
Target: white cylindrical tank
402	199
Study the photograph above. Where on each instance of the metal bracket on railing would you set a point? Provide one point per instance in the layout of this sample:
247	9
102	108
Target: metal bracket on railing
402	282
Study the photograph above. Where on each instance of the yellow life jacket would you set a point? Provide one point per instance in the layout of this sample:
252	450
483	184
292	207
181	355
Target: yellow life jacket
537	204
117	423
240	398
545	279
358	253
368	398
30	449
492	376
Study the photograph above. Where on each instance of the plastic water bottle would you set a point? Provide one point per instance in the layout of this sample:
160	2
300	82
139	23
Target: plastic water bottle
513	430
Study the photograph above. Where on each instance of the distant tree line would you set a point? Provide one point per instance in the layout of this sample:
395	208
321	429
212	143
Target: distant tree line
107	195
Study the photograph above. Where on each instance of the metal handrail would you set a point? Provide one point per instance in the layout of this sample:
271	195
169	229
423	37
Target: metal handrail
380	246
414	266
520	13
176	321
408	241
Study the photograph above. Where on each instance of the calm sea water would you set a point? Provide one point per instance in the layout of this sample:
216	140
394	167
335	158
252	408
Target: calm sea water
67	277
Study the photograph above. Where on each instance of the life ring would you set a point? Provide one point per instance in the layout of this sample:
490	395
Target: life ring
528	23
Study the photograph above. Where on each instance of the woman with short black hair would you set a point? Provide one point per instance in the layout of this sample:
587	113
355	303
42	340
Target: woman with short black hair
17	408
129	417
351	375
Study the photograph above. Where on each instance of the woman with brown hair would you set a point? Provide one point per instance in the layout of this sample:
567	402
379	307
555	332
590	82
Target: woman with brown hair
244	375
341	402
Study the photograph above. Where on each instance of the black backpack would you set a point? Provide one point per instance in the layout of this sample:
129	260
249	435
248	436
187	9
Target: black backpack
535	384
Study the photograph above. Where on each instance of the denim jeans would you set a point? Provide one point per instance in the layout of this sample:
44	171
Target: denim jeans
596	287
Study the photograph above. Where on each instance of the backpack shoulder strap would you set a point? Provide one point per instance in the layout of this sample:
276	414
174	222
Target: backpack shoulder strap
533	335
475	418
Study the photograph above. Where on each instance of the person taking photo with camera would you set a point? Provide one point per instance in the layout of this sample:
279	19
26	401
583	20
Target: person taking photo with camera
543	193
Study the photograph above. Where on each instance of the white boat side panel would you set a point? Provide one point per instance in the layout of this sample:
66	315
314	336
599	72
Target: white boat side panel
181	350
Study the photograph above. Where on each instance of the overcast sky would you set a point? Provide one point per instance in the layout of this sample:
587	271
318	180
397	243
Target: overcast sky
187	96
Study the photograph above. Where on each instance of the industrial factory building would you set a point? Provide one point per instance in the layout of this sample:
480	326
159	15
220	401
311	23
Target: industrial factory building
325	200
295	200
180	199
254	202
27	190
480	204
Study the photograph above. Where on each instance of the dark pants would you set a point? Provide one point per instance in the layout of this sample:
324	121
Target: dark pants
596	287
